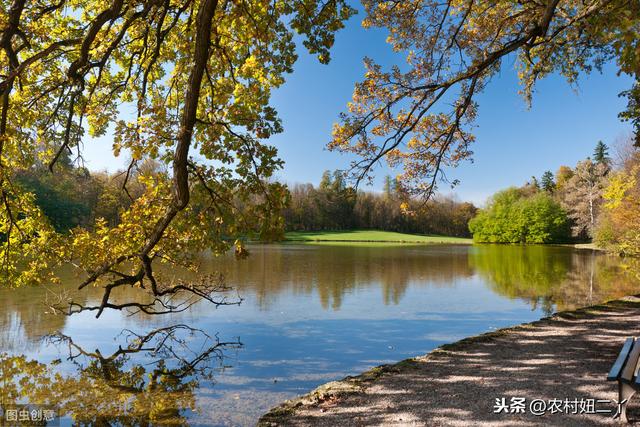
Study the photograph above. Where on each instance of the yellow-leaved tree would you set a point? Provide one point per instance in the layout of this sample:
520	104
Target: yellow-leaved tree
196	76
186	83
419	117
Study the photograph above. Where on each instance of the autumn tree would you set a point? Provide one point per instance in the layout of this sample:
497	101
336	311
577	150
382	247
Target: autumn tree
419	117
334	205
582	196
563	174
619	227
198	75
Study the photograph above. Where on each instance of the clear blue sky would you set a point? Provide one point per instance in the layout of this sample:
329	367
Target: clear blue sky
513	142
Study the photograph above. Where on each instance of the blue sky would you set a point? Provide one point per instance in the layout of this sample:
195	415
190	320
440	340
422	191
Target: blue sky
512	142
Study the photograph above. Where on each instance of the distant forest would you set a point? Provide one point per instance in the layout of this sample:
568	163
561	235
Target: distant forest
595	200
75	196
334	205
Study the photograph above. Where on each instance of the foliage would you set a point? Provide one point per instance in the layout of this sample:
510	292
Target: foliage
619	229
197	76
512	217
420	116
59	198
332	206
582	196
547	182
601	153
563	175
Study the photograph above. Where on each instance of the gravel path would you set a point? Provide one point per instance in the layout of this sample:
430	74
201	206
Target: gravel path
563	357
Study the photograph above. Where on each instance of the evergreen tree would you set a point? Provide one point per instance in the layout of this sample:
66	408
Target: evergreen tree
389	187
601	153
325	181
548	184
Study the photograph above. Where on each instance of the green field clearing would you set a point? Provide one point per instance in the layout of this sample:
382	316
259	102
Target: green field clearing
372	236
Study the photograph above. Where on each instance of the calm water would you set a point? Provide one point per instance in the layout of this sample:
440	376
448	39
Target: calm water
310	314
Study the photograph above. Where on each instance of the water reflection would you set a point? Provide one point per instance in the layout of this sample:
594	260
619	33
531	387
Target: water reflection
311	314
553	278
151	379
334	271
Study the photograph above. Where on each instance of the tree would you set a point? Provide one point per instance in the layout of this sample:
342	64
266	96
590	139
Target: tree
563	175
420	117
513	216
548	184
583	196
389	187
334	205
534	183
601	154
198	75
619	228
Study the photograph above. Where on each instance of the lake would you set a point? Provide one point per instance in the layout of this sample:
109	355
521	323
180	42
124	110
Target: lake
309	314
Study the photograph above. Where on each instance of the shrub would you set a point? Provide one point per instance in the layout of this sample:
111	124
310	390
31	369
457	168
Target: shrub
512	217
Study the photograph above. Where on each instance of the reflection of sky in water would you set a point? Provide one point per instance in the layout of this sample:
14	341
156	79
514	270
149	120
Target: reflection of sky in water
295	342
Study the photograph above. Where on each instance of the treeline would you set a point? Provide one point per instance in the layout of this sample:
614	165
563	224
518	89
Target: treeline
74	196
582	203
334	205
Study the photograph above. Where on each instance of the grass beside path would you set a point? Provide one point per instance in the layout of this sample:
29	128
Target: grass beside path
374	236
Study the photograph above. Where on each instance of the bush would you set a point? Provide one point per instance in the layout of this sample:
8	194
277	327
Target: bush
513	217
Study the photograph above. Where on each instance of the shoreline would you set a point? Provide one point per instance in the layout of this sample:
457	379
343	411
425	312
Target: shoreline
565	355
403	242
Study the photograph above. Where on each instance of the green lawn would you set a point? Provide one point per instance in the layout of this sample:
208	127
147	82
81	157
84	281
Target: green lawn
373	236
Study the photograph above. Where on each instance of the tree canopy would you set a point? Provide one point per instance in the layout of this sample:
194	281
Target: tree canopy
582	196
618	229
420	117
601	153
196	77
514	217
334	206
187	83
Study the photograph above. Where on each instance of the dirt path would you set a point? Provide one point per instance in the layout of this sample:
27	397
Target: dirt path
566	356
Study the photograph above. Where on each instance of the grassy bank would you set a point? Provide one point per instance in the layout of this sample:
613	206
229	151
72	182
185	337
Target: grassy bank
369	236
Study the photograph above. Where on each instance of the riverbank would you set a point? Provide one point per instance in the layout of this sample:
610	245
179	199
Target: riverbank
565	356
369	236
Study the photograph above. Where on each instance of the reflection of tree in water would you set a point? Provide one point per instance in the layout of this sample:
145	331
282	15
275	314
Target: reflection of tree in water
545	276
28	315
23	318
271	270
333	271
596	278
527	272
115	388
554	278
